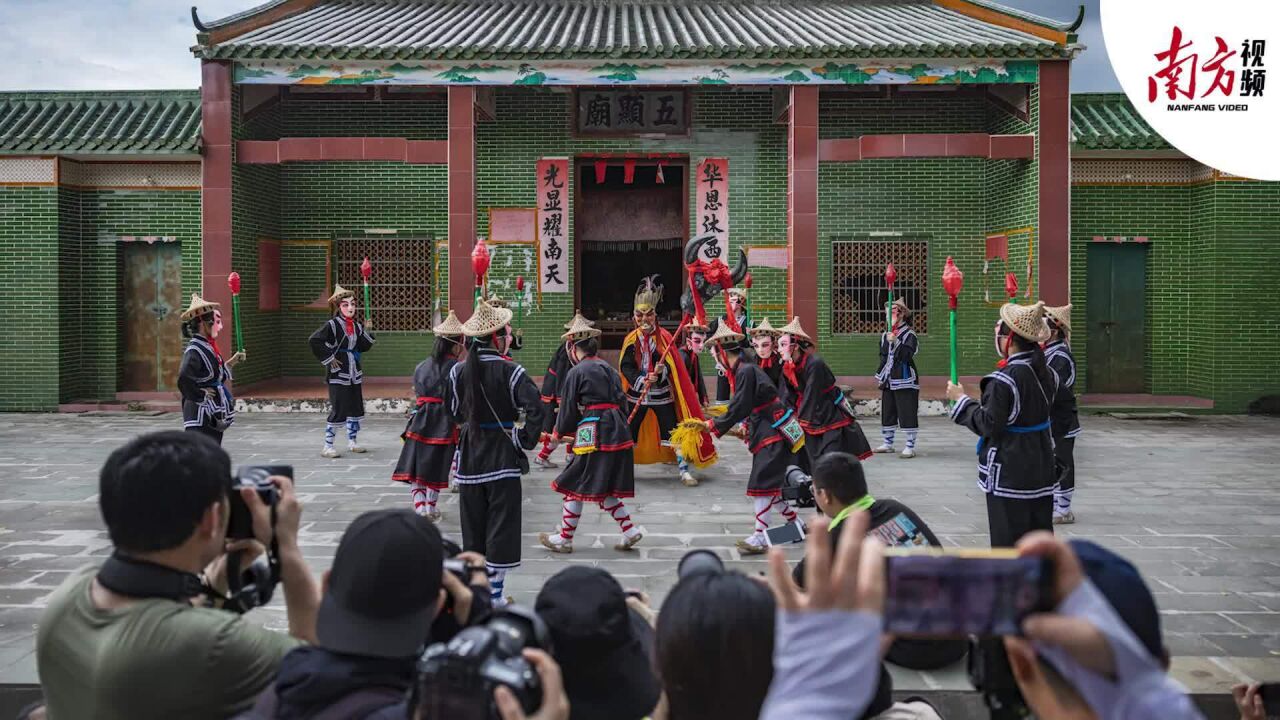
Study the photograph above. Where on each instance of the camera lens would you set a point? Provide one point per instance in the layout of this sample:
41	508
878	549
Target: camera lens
699	562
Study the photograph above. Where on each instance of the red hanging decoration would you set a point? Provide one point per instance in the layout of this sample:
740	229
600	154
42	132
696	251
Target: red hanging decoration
601	166
233	281
366	269
890	275
1010	285
628	172
480	261
952	282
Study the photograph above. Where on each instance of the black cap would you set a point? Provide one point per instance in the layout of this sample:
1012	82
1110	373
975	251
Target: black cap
384	586
1123	587
600	644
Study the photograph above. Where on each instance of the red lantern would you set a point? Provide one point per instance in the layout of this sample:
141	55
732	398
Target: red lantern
366	269
746	281
890	275
480	261
519	283
952	281
1010	285
233	282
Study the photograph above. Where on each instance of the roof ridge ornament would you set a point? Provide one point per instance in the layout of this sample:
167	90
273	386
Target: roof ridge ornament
195	20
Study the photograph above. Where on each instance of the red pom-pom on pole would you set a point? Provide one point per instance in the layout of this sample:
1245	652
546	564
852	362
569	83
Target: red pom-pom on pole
480	261
233	282
366	269
1010	285
519	283
890	275
952	281
746	281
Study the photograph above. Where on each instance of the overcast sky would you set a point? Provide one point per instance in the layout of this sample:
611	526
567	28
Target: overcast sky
145	44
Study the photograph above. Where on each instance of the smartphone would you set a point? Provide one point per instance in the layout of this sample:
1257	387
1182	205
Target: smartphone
785	534
1270	694
936	592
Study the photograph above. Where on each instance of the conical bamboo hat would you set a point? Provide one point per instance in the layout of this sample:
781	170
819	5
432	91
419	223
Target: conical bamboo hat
724	335
486	320
577	314
1060	315
580	329
449	327
199	306
793	328
900	303
340	293
1026	320
763	328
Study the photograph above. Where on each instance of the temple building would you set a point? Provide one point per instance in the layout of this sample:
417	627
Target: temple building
585	141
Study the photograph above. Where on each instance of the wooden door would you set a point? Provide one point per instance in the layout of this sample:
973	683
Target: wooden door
151	294
1116	330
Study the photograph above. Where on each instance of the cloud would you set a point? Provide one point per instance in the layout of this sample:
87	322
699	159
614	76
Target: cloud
145	44
102	45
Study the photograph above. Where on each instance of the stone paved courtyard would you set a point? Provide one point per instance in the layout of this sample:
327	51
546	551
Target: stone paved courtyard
1192	502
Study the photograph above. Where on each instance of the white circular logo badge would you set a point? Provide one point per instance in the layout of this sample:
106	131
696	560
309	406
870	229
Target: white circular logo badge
1206	75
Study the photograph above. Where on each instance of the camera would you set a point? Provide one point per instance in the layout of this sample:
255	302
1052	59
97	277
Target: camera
457	679
797	488
240	526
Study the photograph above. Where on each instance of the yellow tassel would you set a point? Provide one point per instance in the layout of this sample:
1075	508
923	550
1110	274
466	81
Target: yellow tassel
687	437
717	410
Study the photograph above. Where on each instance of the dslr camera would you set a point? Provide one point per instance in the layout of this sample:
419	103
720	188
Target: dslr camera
456	680
797	488
252	586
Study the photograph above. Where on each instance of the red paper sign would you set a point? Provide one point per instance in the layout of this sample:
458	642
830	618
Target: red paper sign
553	225
712	210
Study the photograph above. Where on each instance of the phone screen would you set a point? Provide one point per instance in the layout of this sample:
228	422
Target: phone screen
785	534
955	593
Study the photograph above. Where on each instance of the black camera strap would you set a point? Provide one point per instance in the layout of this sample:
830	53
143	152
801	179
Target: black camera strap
137	578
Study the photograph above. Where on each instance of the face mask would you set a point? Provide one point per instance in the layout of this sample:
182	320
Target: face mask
764	346
348	308
786	347
696	342
216	326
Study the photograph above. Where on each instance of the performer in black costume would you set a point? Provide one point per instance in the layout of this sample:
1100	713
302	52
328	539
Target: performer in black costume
557	370
1063	417
824	412
500	414
735	302
1015	449
338	345
431	437
772	433
602	467
203	376
899	382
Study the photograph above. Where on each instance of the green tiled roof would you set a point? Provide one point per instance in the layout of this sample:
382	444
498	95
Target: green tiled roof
597	29
1107	121
100	123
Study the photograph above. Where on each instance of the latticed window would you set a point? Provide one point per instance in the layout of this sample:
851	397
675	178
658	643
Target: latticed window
858	290
400	285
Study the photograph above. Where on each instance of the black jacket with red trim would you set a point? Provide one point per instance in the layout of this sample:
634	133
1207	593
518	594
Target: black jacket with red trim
430	422
593	389
755	400
818	396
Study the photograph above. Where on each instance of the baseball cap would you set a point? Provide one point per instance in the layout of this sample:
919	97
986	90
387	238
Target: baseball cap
384	586
602	646
1123	587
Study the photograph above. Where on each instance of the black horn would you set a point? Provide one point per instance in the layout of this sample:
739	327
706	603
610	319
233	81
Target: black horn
692	247
739	272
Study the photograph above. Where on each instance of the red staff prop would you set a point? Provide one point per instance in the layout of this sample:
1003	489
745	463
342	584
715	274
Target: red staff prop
366	270
890	277
1011	287
480	266
233	282
952	283
519	299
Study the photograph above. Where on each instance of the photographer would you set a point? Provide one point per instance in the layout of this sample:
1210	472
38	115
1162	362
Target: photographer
128	640
381	600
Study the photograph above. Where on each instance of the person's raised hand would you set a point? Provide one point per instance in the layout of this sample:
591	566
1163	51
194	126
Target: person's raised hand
852	580
1249	701
954	391
555	703
288	513
1079	638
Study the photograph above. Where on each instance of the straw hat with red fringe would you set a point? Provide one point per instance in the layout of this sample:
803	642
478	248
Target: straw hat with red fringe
449	327
1027	321
199	306
486	320
793	329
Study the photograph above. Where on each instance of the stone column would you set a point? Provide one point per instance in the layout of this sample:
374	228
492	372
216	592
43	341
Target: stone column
1055	182
802	207
215	193
462	193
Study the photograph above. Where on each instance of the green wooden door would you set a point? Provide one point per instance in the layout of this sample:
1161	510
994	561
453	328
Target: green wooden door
151	291
1116	328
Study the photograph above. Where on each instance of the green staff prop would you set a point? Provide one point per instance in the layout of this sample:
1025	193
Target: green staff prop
746	283
952	283
233	281
519	299
366	269
890	277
